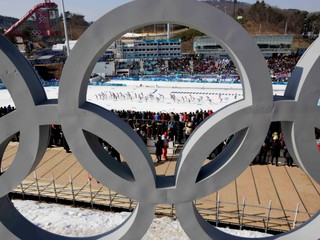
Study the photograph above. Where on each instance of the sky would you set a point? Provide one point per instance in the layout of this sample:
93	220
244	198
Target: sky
93	9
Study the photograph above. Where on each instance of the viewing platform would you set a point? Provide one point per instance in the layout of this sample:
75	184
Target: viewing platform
266	197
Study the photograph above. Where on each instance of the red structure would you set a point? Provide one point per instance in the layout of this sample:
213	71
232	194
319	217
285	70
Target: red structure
42	20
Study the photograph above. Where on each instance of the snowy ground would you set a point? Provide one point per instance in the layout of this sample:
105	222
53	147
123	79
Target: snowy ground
157	96
79	222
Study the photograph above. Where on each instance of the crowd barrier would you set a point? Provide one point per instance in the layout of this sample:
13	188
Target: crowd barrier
240	215
189	79
186	79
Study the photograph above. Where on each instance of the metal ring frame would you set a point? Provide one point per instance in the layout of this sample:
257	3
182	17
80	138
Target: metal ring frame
83	123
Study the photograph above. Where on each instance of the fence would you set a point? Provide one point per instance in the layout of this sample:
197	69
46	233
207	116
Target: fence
91	193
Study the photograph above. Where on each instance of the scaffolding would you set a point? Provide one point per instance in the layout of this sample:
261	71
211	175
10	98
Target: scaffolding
42	20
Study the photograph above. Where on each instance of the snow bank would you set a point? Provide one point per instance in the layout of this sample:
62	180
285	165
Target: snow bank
79	222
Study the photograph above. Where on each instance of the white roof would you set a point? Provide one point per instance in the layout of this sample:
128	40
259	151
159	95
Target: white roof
45	57
61	46
133	35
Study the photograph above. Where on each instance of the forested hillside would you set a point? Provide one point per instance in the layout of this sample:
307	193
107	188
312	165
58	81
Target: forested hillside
258	18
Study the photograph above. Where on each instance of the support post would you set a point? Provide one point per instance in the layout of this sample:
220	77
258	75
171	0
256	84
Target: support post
130	204
37	184
54	188
110	199
295	216
217	206
268	216
91	197
22	191
171	214
242	212
72	191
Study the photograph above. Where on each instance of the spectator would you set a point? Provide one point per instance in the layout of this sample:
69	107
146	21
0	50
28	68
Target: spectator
288	157
188	128
275	149
159	146
165	145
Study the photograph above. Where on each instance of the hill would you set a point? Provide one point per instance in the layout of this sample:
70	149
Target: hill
6	22
228	6
257	18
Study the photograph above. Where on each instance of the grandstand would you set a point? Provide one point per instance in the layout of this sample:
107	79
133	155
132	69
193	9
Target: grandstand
268	44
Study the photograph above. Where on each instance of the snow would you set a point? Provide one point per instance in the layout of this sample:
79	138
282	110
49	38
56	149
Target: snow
158	96
80	222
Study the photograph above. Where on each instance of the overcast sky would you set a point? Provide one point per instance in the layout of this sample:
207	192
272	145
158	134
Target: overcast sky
93	9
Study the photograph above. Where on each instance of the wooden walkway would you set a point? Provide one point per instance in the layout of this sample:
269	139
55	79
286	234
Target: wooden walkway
264	196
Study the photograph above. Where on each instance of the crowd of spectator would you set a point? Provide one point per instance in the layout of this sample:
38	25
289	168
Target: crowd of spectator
209	65
280	67
157	66
180	66
176	127
183	66
5	110
179	126
57	138
149	125
132	65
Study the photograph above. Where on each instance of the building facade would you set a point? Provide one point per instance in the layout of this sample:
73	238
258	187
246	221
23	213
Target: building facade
148	49
268	44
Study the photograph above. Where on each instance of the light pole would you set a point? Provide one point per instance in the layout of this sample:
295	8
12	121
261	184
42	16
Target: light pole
65	28
234	8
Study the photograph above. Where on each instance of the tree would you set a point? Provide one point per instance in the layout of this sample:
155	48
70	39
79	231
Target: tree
76	24
316	23
27	33
240	12
296	21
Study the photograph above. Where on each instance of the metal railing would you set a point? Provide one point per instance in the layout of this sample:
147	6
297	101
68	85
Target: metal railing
94	195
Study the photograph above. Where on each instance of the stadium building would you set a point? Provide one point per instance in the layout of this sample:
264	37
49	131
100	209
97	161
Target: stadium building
148	49
269	45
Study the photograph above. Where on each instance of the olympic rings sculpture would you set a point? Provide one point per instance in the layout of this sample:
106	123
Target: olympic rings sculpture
84	122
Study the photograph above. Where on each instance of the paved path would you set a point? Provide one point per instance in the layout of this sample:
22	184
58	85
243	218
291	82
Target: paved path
259	186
